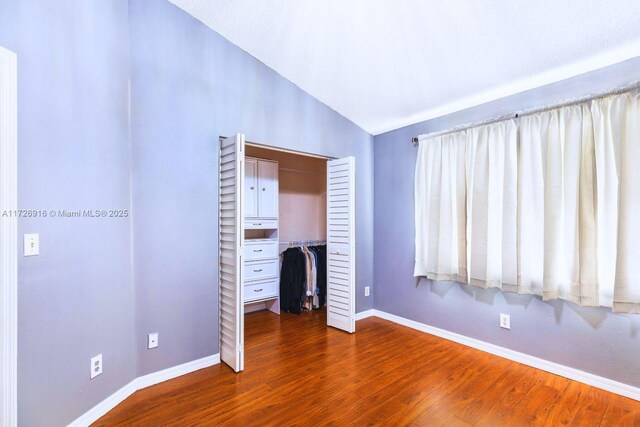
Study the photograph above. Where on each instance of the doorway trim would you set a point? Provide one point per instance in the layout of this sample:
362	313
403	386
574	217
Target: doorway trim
8	238
283	150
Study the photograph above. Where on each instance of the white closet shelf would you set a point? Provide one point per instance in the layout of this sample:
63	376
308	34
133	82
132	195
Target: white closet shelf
261	224
256	301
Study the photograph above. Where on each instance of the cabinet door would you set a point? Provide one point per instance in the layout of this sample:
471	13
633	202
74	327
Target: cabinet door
268	189
251	188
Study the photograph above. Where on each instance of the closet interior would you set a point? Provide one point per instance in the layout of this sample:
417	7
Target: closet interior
285	218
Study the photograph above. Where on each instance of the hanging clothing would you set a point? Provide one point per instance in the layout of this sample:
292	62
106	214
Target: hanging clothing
318	301
303	278
293	280
321	254
312	272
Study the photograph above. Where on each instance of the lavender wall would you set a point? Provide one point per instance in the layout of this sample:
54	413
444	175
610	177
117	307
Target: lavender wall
590	339
120	107
188	86
76	298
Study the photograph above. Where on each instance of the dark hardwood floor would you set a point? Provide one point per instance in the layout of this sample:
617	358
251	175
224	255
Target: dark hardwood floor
299	372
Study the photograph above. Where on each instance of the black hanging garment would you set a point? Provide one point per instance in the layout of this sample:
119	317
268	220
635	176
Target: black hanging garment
321	252
292	280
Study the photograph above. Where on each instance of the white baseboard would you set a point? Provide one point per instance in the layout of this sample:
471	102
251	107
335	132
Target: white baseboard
250	308
535	362
365	314
105	406
176	371
139	383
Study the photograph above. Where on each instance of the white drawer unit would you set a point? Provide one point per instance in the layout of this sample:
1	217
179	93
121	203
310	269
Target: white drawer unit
256	270
258	224
261	270
260	249
261	290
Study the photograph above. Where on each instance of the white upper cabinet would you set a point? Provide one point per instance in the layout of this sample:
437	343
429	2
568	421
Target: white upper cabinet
268	185
261	195
251	188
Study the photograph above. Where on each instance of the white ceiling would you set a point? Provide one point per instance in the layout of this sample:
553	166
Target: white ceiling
385	64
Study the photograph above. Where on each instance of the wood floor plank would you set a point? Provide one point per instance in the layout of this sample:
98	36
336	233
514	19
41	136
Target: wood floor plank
621	412
452	408
299	372
564	411
495	392
592	408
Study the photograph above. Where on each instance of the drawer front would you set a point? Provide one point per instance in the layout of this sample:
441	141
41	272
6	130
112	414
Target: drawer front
256	270
258	224
261	290
260	250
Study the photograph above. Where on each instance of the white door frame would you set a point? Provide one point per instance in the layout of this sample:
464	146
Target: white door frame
352	214
301	153
8	238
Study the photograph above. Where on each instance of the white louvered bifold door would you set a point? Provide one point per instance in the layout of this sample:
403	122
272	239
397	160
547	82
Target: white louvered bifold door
341	271
231	235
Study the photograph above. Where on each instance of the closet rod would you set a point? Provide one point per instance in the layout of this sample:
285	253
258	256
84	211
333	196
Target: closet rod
294	243
302	171
635	85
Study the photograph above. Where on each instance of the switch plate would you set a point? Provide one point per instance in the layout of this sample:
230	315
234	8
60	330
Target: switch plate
505	321
367	291
31	244
96	366
153	340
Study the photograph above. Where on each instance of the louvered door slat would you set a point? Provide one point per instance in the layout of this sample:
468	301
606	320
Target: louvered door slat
341	244
231	233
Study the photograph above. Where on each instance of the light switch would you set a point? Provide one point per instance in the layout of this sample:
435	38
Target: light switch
31	244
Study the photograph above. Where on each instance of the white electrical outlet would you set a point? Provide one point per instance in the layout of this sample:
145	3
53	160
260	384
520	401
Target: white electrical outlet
96	366
153	340
505	321
367	291
31	244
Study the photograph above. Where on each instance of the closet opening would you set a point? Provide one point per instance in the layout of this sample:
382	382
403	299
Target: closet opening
286	191
300	238
286	244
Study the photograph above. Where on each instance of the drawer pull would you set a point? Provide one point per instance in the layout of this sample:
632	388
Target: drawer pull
257	271
257	223
252	187
257	290
257	250
264	189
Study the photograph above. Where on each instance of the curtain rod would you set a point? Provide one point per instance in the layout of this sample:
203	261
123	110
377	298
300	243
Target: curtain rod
526	112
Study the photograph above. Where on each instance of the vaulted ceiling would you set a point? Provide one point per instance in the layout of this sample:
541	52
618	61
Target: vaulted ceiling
385	64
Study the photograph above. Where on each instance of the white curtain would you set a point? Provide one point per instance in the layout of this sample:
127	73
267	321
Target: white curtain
616	121
492	205
546	205
440	208
556	212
